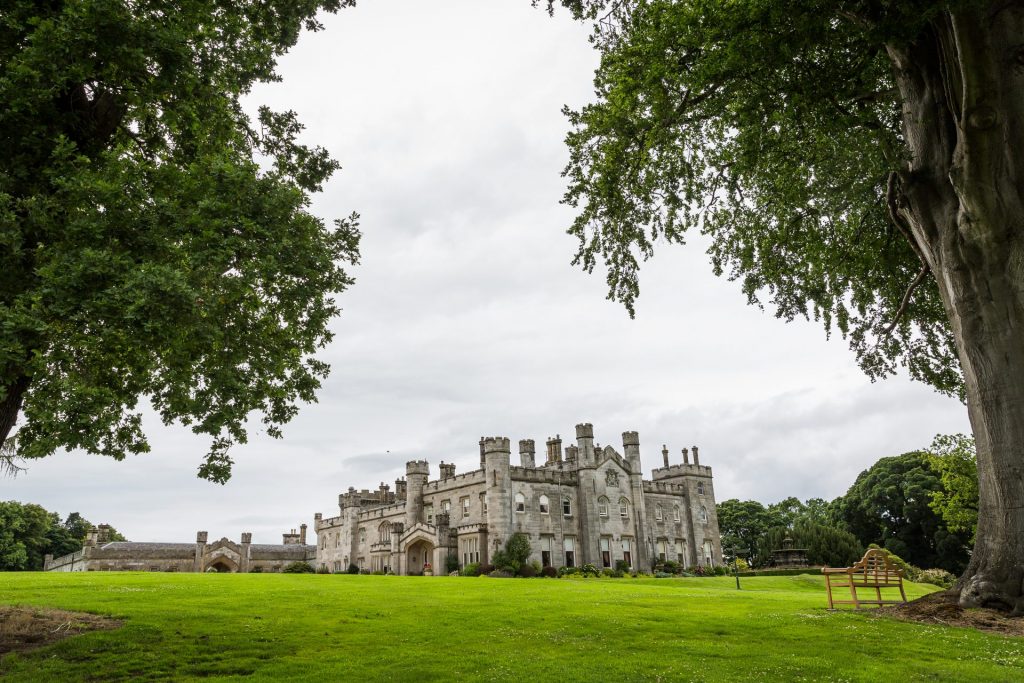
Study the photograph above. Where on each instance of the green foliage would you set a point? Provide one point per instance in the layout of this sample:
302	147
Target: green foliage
471	569
323	569
890	504
451	564
825	545
771	128
514	555
28	533
157	243
743	525
352	569
955	459
298	568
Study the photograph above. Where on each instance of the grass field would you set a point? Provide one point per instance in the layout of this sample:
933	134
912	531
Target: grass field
390	628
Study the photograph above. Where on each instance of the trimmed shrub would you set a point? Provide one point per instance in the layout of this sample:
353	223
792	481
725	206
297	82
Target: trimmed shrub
486	569
322	569
936	577
500	574
451	564
299	568
608	571
471	569
589	570
622	566
353	569
527	571
549	572
568	571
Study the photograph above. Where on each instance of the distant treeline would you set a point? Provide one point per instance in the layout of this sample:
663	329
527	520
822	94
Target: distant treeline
29	532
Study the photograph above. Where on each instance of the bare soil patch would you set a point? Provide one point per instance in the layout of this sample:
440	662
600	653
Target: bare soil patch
943	608
26	628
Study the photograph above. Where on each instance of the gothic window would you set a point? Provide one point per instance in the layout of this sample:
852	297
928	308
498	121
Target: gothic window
384	532
602	507
465	507
337	540
703	514
430	514
544	505
657	513
700	488
623	508
675	513
567	509
520	503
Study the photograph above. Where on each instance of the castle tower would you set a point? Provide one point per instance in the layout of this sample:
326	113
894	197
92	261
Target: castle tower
631	448
700	514
586	497
349	504
416	473
497	454
527	454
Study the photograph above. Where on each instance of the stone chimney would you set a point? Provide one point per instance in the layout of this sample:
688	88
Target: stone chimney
696	458
302	534
246	538
90	536
400	488
664	454
686	456
554	449
447	470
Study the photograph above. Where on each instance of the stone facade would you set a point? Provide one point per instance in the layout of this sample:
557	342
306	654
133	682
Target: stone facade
201	556
584	504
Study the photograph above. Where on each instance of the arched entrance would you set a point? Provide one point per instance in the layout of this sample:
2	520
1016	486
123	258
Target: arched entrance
418	554
221	567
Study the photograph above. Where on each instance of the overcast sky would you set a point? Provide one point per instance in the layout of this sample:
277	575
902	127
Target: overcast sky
467	318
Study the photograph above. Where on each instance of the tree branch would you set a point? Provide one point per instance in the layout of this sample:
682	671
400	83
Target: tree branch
906	299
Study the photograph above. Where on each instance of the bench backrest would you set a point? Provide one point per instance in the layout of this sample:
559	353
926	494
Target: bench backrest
877	565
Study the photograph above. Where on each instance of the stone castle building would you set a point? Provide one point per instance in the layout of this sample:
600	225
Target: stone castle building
222	556
586	504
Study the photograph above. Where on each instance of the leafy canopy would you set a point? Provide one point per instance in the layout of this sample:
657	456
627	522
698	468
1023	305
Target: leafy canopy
771	127
155	242
956	461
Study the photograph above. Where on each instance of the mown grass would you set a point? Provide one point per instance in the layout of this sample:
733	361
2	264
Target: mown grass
389	628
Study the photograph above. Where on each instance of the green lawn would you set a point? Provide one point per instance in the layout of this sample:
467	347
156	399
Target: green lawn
367	628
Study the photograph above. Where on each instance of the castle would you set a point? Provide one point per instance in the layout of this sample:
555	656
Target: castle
220	556
588	504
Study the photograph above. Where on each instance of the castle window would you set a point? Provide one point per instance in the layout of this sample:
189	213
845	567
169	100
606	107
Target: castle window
627	551
606	553
483	502
520	503
602	507
567	511
545	550
362	534
623	508
465	507
675	513
657	513
700	488
384	532
545	506
337	540
661	549
570	550
446	506
679	551
430	514
337	567
703	514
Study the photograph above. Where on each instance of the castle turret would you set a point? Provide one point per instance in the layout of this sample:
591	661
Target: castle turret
664	454
416	474
585	444
497	454
639	548
447	470
400	490
302	534
90	536
527	454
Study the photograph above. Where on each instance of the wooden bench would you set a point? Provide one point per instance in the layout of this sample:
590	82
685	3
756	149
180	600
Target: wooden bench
874	570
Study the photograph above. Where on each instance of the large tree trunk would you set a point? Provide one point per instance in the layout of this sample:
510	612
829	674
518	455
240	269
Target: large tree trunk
962	196
10	406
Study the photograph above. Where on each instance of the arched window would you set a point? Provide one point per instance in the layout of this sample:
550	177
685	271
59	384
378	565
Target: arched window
623	508
675	513
602	506
658	515
545	505
362	534
520	503
700	488
384	532
567	507
703	514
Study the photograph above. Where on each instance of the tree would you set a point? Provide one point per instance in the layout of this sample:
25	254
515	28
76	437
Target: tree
890	504
855	161
954	459
156	242
514	555
743	525
825	545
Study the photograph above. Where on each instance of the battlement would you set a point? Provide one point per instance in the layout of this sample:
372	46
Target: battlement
455	481
417	467
663	487
585	431
365	498
686	470
497	444
630	439
544	475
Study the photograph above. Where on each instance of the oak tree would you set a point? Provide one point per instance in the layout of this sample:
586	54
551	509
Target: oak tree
156	242
855	161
